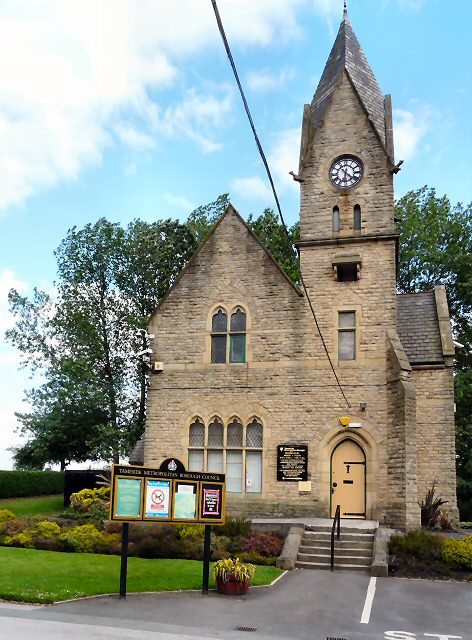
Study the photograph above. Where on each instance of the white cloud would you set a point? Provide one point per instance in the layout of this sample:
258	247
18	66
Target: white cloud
254	187
409	128
329	9
263	81
133	137
196	116
180	201
73	72
282	158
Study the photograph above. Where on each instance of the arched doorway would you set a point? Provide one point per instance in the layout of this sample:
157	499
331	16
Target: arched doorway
348	472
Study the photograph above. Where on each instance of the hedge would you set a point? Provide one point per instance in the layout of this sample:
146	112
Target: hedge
22	484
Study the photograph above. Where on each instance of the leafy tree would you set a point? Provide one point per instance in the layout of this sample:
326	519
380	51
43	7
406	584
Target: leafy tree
272	234
436	248
85	341
202	219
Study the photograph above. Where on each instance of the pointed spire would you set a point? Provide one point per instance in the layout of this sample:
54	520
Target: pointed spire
347	55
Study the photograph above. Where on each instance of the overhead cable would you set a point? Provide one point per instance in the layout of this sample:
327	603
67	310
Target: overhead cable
294	251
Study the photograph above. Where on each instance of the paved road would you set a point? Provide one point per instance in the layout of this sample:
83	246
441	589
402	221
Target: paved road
305	605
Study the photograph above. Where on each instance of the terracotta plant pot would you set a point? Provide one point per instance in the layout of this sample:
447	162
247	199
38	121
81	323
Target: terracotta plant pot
232	587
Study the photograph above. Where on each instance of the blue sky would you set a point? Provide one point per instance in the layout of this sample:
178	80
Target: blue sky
128	109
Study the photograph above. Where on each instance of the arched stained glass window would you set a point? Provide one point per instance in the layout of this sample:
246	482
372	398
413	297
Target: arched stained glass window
237	338
196	442
228	345
219	328
197	434
234	435
219	323
238	321
254	441
254	434
215	434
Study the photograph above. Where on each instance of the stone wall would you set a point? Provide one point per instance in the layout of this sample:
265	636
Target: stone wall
436	434
403	510
286	381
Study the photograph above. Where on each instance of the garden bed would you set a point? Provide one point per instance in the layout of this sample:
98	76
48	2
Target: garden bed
423	554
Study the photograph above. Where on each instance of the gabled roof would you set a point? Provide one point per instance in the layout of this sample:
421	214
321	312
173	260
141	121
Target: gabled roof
347	55
230	210
418	327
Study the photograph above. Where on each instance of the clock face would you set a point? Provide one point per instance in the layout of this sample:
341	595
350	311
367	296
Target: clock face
346	172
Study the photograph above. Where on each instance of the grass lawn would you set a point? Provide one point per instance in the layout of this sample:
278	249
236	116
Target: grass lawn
39	505
29	575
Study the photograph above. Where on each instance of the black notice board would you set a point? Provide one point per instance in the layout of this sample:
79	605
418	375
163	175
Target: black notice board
292	462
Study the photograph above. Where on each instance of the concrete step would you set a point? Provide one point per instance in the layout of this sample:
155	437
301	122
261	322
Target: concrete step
322	558
354	537
353	529
337	566
338	544
338	551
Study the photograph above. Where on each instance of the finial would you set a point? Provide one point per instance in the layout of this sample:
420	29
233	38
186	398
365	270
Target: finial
345	8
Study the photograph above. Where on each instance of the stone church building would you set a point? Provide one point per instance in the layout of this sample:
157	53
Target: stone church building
245	372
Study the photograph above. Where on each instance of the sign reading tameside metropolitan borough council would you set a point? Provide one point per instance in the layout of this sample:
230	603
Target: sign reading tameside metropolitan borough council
169	493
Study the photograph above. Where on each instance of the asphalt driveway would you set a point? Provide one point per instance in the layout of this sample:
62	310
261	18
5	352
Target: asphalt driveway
311	605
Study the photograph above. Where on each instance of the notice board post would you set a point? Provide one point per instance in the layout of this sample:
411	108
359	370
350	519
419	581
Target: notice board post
170	494
206	559
124	558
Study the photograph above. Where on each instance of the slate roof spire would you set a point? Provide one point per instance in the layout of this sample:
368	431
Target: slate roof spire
347	55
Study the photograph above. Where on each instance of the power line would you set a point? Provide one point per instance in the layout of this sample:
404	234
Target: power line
295	252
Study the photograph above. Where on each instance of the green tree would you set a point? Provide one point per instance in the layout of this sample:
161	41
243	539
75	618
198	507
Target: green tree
272	234
109	281
436	248
201	220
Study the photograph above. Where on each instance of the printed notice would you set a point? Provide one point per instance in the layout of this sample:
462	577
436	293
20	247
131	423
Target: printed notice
128	498
157	498
292	462
185	501
211	501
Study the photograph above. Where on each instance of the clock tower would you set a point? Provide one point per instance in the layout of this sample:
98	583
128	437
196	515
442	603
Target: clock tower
348	245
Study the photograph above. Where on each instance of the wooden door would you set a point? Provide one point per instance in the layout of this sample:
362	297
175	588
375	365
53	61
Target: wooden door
348	480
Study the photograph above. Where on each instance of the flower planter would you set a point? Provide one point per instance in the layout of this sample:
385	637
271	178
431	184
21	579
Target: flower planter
232	587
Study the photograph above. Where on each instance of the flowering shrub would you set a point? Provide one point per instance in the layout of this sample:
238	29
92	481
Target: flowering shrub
458	551
89	500
233	569
6	514
33	537
190	531
265	544
83	539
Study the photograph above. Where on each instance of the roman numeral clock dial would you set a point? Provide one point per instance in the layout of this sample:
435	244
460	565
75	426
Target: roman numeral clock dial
346	172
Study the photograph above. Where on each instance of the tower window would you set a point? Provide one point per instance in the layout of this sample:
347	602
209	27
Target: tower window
357	218
346	335
336	219
347	268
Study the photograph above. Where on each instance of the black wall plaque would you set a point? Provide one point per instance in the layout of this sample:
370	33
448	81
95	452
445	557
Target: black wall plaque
292	462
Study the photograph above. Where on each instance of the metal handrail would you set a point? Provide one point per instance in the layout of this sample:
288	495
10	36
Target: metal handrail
337	520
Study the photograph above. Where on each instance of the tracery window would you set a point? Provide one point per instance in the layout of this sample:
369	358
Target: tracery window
228	344
232	449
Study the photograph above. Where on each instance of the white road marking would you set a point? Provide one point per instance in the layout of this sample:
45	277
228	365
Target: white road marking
368	601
